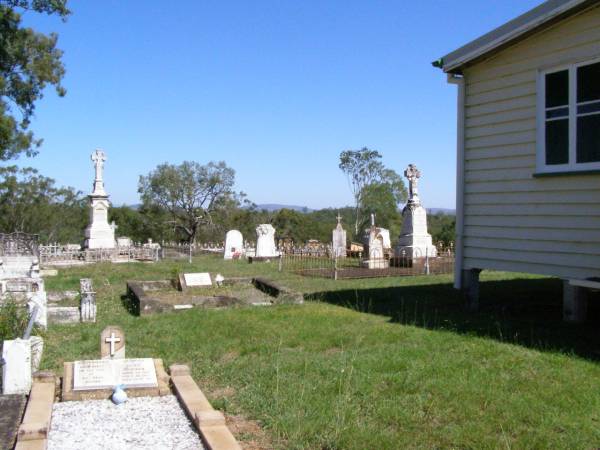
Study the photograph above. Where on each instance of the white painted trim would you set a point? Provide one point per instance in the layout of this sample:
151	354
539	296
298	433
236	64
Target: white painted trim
460	178
511	35
572	165
585	283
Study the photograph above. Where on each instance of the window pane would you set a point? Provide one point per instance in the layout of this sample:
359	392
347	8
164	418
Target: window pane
556	113
557	142
557	89
588	83
588	139
588	108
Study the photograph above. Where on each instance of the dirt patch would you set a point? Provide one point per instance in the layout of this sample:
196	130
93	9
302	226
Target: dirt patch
332	351
249	433
228	357
225	392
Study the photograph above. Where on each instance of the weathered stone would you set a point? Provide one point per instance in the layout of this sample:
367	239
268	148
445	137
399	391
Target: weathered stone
16	371
63	314
265	244
338	239
11	407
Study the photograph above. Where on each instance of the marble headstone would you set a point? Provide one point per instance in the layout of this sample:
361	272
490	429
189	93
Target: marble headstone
234	244
414	240
265	242
339	239
16	371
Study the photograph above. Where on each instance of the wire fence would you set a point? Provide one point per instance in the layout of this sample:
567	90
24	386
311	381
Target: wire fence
327	266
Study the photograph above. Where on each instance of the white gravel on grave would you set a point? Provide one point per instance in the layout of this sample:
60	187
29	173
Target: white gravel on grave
139	423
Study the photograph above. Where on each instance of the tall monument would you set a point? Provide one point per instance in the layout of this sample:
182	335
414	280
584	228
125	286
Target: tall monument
414	241
99	234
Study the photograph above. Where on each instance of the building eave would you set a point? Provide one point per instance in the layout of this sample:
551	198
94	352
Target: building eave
511	32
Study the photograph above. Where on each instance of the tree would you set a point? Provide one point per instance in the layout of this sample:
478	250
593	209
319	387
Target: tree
31	203
192	193
29	61
375	188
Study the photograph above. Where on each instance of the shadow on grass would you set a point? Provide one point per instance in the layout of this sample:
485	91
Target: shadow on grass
526	312
130	304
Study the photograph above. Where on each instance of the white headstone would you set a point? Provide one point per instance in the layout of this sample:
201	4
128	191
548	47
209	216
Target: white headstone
234	244
414	241
108	373
16	371
99	233
265	242
197	279
339	239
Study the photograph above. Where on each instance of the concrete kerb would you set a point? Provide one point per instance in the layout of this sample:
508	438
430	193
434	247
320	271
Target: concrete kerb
209	422
34	429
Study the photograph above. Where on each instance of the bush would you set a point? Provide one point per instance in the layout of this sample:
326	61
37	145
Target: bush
13	320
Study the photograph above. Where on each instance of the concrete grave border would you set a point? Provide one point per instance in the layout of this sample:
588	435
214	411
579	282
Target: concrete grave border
209	422
34	429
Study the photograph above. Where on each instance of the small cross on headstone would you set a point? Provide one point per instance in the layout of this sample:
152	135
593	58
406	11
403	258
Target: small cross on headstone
112	340
412	174
112	343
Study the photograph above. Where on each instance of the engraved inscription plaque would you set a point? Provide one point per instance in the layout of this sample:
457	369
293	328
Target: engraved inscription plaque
108	373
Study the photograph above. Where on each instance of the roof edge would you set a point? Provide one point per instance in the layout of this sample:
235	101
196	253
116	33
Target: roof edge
510	31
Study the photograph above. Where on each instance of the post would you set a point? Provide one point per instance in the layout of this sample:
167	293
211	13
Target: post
190	257
427	261
335	268
280	261
575	303
470	285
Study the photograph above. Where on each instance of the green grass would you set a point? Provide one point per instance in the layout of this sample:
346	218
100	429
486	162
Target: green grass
382	363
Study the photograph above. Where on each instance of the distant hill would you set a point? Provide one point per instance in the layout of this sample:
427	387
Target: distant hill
271	207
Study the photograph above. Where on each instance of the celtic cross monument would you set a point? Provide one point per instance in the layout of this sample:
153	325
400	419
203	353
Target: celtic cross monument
414	241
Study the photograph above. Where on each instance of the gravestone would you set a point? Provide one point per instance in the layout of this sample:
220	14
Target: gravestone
414	241
99	234
265	243
234	244
16	370
376	244
339	239
20	278
112	343
87	306
200	279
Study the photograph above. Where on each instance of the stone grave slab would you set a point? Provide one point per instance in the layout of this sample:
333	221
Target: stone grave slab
199	279
12	407
96	379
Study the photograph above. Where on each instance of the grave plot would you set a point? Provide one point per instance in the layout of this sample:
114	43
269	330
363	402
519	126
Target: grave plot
195	290
118	403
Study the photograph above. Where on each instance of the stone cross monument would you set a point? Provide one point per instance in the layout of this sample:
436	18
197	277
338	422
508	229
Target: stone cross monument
99	234
339	239
415	241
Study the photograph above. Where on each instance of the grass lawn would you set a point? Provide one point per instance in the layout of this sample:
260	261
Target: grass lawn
367	364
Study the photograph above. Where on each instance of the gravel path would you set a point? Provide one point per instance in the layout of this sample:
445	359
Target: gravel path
140	423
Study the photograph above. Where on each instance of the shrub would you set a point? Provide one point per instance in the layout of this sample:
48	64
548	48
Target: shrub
13	320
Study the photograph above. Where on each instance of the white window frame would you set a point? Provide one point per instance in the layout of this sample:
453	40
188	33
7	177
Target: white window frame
572	165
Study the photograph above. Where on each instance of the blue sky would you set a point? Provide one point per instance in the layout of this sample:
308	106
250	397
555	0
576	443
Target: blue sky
276	88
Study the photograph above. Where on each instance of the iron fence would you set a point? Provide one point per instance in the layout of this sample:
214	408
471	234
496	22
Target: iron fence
56	254
356	266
